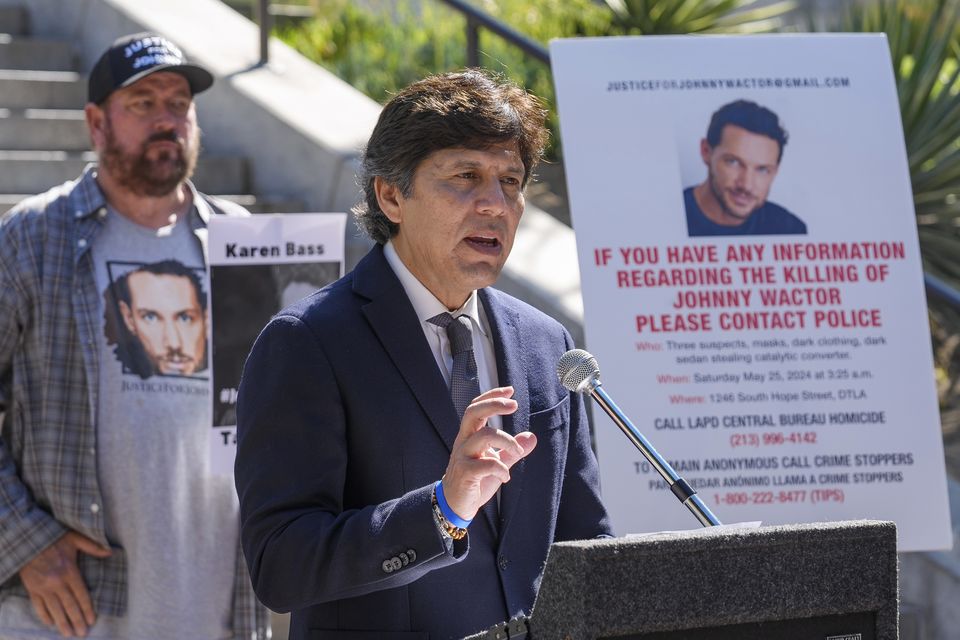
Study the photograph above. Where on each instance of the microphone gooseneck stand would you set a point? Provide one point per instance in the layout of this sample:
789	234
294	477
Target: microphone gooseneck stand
579	372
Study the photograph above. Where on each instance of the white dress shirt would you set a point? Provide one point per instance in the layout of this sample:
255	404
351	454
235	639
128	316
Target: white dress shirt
426	305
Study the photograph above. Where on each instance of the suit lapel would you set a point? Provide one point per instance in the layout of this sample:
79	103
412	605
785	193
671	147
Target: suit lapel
511	369
393	320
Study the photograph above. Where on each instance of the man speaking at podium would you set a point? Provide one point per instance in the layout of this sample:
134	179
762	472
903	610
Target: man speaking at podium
406	454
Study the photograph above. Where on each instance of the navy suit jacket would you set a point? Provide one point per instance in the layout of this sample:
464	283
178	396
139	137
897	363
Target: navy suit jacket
344	425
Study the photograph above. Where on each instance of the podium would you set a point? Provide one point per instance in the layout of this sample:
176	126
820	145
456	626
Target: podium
827	581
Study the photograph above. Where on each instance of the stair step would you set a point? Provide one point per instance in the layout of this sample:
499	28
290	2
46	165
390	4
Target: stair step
47	89
43	130
42	54
14	20
251	203
37	171
43	134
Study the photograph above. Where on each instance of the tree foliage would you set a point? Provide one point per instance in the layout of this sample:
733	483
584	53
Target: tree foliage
924	46
661	17
924	39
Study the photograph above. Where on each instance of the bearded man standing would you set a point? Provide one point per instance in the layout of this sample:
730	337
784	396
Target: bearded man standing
111	523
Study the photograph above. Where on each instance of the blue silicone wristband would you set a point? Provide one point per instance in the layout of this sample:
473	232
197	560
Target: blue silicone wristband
445	509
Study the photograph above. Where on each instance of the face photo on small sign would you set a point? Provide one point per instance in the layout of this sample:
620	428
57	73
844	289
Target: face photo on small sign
243	299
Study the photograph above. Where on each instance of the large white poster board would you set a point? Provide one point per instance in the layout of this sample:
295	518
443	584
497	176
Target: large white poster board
258	266
786	370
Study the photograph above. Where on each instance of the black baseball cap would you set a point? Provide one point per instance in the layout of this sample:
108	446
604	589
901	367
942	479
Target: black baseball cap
136	56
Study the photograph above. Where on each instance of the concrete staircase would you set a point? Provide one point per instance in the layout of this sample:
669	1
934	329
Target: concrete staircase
43	135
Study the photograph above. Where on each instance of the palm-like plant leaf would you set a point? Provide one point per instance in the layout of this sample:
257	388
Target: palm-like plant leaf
923	37
657	17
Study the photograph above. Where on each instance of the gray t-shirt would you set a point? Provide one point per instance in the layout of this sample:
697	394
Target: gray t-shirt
177	523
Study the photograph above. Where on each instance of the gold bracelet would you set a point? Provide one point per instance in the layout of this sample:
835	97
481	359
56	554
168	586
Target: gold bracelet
448	527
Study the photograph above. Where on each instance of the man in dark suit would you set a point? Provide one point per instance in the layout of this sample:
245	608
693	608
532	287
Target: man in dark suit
377	499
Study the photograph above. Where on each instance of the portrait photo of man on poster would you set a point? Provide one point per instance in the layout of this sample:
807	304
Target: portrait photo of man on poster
742	151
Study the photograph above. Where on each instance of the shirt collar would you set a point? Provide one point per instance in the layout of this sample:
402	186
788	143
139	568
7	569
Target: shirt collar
200	206
425	304
87	198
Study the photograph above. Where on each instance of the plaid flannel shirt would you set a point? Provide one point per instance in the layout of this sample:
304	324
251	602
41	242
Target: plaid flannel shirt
48	359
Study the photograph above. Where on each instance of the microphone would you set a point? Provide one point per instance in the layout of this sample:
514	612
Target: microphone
579	372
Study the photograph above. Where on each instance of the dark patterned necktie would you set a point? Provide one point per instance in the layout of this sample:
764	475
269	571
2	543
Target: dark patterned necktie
464	384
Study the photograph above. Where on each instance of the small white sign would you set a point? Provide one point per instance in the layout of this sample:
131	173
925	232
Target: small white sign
258	266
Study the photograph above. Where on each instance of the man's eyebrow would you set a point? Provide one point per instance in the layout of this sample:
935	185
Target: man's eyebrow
466	163
731	154
146	91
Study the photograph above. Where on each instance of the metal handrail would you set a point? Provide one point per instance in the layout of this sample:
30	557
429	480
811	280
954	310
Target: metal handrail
939	289
475	20
266	25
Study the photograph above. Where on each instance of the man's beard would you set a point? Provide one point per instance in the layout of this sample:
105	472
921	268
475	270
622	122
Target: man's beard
150	178
718	194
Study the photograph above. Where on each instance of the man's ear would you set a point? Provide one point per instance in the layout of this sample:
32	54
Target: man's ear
705	150
96	125
389	198
127	314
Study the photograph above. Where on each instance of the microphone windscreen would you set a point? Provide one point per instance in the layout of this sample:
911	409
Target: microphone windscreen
577	370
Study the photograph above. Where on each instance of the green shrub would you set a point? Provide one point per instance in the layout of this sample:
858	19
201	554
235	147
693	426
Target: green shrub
381	51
